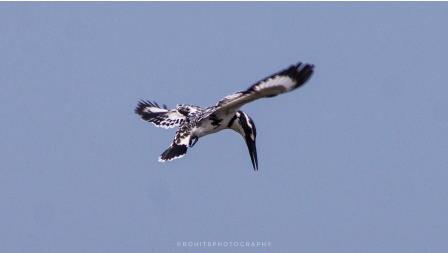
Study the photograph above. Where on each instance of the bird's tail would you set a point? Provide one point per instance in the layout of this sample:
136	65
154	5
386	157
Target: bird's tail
173	152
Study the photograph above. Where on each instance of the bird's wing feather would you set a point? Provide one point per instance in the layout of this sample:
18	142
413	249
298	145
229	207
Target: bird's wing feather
278	83
159	116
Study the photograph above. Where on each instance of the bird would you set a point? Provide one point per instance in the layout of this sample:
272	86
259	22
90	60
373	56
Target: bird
194	122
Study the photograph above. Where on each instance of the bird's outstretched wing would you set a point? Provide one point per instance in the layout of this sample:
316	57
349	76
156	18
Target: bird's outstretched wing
159	116
278	83
179	146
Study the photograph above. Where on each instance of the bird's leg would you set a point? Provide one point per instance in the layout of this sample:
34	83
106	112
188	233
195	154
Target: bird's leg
193	140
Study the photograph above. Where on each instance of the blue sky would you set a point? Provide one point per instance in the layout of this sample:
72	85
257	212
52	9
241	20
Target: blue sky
355	161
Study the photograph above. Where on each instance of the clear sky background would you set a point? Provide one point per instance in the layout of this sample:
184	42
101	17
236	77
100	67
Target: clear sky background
354	161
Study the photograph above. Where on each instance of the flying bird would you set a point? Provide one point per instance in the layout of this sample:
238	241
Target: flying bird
194	122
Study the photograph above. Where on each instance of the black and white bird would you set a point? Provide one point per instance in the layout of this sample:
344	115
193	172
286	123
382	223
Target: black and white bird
195	122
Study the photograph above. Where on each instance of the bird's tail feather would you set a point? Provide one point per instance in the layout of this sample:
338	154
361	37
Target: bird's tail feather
173	152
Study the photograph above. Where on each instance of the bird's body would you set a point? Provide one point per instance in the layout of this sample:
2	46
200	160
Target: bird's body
195	122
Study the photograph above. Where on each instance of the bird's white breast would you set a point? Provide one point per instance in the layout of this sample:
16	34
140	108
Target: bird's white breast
207	127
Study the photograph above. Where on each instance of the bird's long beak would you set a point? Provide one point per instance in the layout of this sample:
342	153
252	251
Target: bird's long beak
252	151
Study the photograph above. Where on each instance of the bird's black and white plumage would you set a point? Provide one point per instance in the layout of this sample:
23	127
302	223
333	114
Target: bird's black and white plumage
194	122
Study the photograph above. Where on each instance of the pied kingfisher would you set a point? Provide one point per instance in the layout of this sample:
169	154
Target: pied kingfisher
195	122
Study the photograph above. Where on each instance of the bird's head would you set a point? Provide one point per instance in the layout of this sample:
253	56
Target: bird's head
245	126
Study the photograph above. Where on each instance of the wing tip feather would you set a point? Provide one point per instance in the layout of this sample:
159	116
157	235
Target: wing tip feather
301	73
142	104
